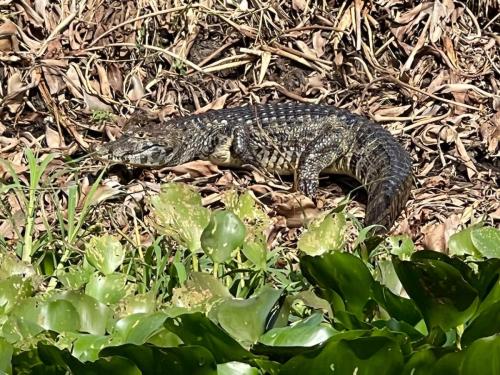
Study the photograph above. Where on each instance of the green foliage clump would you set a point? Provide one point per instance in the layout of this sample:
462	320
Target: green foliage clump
209	297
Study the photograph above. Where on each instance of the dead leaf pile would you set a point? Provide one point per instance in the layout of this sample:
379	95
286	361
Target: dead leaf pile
427	70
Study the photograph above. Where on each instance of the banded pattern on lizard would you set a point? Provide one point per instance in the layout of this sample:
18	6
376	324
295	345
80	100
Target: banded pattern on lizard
288	138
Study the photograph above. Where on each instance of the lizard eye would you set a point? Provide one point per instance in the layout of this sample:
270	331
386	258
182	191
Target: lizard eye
141	134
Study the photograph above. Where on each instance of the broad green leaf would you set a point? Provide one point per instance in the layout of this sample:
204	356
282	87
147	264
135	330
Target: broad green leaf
245	207
94	316
308	332
165	339
482	356
87	347
486	324
438	289
449	364
74	277
188	360
236	368
180	214
461	243
398	307
255	250
11	265
343	273
487	241
59	316
420	363
196	329
108	289
6	352
13	290
376	355
402	246
224	233
245	319
139	303
324	235
138	328
105	253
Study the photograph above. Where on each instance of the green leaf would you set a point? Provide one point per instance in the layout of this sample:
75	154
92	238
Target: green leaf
449	364
13	290
486	324
60	316
107	289
420	363
377	355
482	356
344	273
224	233
439	290
6	352
255	250
461	243
94	316
487	241
245	319
87	347
402	246
398	307
196	329
324	235
236	368
105	253
138	328
307	332
74	277
180	214
188	360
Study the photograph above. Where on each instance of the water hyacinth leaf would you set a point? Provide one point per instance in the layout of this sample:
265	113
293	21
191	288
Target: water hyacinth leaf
402	246
236	368
195	360
487	241
138	328
438	289
343	273
180	214
398	307
461	244
94	316
255	250
245	319
482	357
59	316
307	332
74	277
486	324
6	351
245	207
197	329
13	290
377	355
105	253
139	303
449	364
107	289
420	363
87	347
224	233
323	235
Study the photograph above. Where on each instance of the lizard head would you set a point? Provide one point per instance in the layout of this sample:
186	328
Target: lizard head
143	145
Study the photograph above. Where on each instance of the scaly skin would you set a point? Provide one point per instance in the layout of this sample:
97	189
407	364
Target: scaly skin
289	138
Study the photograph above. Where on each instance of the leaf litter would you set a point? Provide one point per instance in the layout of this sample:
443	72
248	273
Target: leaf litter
429	71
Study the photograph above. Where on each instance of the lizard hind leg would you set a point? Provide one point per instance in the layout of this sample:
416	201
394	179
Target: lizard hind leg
320	154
